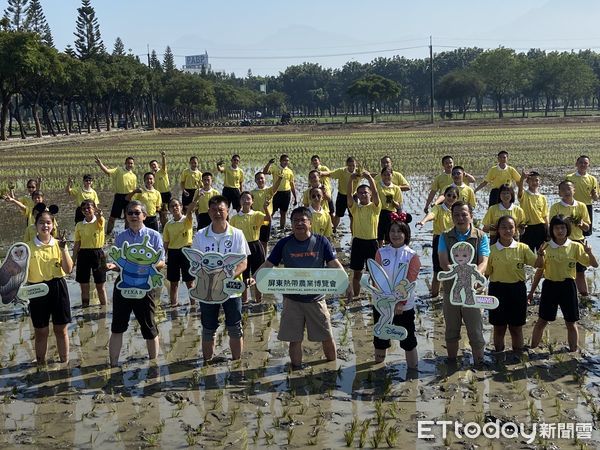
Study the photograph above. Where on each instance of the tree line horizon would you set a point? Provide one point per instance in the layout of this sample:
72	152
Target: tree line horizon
86	87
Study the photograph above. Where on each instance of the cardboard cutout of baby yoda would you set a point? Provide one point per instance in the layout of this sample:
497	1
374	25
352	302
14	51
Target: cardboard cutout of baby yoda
13	274
138	268
465	276
214	275
387	293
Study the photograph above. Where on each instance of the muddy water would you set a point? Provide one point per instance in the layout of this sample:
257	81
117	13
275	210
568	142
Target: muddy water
259	402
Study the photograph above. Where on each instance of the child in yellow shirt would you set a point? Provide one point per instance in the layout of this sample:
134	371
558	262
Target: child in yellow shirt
150	198
321	220
342	174
82	193
505	207
201	198
189	182
586	187
499	175
535	207
233	184
390	196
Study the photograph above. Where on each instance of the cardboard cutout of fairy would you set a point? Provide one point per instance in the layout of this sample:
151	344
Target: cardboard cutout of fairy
138	268
214	272
386	294
466	276
13	275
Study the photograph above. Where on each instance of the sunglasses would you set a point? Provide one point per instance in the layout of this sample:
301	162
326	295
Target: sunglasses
134	213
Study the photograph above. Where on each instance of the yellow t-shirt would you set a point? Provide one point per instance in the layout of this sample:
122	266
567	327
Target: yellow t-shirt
577	210
393	191
124	181
260	195
30	214
496	211
535	207
178	233
441	182
249	223
203	199
583	186
467	194
507	264
27	200
442	219
80	195
306	200
397	179
90	234
321	222
342	175
286	174
233	178
365	220
161	180
560	260
325	180
496	176
191	179
151	199
45	261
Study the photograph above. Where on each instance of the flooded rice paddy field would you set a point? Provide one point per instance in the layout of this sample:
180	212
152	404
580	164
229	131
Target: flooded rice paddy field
259	402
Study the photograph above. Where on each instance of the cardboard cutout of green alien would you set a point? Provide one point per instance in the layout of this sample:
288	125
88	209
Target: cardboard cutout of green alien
466	276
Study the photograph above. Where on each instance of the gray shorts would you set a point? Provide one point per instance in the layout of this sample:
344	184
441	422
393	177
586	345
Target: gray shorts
296	315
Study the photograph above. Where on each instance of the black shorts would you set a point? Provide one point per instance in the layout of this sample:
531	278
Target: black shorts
406	320
187	200
265	233
55	303
494	196
165	197
79	215
119	206
535	236
341	205
383	227
178	266
255	259
559	293
90	260
143	309
435	259
233	195
591	213
281	201
513	303
151	222
203	220
580	268
361	250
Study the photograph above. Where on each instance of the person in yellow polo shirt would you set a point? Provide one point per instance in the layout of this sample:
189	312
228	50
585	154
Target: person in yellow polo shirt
505	207
250	222
150	198
88	254
201	198
535	207
342	174
365	216
261	194
315	163
586	187
506	272
576	213
162	185
321	219
286	190
443	180
499	175
397	178
177	234
82	193
124	181
233	184
189	181
561	255
442	222
390	196
465	192
49	263
314	181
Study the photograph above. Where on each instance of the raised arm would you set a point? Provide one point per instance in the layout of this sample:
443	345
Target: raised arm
430	216
468	177
220	166
15	202
104	169
374	193
520	184
69	185
268	166
163	156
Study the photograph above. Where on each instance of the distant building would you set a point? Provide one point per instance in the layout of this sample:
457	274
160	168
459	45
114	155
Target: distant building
196	63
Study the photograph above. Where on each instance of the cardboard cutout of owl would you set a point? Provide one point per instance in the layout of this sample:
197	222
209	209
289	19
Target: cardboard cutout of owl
466	276
13	275
387	293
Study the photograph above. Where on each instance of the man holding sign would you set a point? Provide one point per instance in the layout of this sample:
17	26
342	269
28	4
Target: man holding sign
303	249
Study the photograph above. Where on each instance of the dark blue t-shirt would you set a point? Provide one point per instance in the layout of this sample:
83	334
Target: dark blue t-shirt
314	252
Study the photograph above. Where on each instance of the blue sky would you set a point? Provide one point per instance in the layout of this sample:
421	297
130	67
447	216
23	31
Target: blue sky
267	36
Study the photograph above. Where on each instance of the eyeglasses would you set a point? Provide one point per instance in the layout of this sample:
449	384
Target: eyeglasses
134	213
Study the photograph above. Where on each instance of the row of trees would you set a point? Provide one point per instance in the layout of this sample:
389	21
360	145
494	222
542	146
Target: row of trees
86	87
